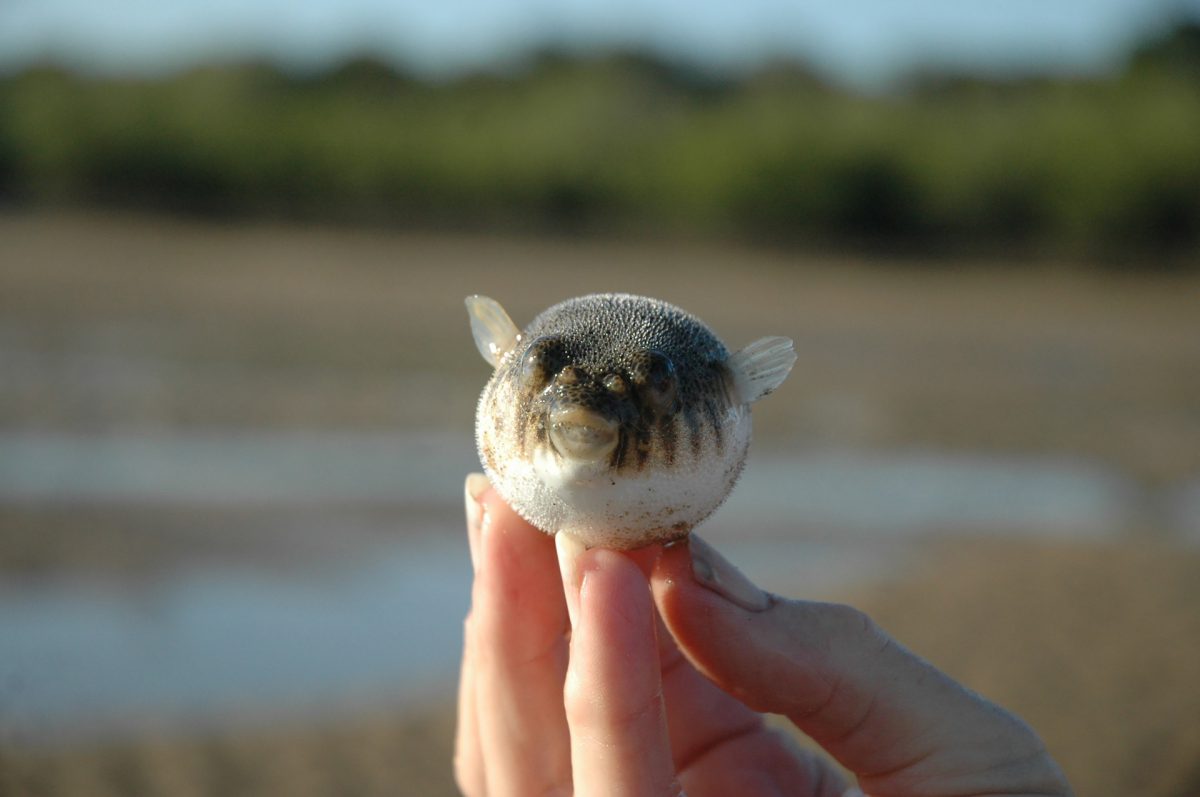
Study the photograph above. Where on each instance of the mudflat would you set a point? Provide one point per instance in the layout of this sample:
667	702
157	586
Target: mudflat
1095	645
115	325
116	322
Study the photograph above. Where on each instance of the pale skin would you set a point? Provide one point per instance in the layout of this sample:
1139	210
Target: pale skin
596	673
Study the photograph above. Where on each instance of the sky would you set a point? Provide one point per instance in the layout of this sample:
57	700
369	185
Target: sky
863	42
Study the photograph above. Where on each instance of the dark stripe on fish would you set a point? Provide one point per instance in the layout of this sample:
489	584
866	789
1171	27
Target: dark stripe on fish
540	431
618	454
666	434
714	423
695	430
645	442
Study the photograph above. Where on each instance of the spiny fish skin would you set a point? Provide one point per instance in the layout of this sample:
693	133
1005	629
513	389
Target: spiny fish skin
620	419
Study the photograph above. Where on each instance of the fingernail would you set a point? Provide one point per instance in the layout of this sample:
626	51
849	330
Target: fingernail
716	573
476	485
853	791
569	550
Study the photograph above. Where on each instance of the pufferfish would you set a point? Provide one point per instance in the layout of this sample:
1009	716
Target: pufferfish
619	419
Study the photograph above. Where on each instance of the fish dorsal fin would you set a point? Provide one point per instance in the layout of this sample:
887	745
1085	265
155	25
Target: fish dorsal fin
761	367
494	332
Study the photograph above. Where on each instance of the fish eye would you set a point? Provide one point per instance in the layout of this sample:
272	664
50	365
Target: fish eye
654	376
540	362
616	385
570	375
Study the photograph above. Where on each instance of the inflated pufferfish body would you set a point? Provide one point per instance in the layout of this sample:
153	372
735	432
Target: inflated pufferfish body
620	419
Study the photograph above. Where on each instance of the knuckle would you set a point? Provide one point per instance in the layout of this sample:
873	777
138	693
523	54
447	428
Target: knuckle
596	712
848	623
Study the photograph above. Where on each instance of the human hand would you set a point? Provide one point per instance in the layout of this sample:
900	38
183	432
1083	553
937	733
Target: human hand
572	685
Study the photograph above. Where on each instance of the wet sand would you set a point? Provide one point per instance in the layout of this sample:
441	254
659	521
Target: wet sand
1096	645
118	325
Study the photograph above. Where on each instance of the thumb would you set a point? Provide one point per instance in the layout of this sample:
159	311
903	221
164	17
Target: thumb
893	719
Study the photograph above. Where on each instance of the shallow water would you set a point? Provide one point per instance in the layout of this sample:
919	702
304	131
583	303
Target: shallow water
226	639
902	492
82	658
230	467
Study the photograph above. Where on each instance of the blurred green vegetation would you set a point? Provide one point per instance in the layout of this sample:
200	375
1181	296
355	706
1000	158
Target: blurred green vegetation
1104	168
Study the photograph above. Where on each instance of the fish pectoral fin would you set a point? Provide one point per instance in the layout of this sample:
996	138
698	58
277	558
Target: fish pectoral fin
494	332
761	367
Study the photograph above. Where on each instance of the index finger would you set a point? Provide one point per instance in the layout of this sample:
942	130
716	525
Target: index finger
613	692
883	712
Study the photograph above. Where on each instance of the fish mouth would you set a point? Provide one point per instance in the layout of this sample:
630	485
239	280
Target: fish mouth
580	434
